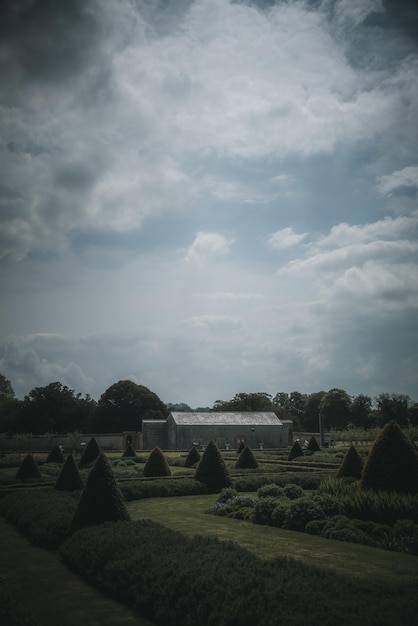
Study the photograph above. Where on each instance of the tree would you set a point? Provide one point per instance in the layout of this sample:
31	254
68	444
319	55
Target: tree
335	409
392	463
295	451
361	411
101	500
212	470
352	464
28	468
90	453
192	457
247	402
54	408
310	420
246	460
156	464
9	405
69	478
392	407
124	405
55	456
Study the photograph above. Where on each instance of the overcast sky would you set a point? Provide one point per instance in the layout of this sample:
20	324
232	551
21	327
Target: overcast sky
209	197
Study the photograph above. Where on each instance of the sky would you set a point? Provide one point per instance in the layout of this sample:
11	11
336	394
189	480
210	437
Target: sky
209	197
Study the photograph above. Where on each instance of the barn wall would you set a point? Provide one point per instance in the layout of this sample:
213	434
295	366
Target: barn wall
181	437
154	434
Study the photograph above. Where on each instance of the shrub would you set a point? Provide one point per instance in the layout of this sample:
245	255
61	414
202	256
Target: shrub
313	445
246	460
330	505
405	536
241	447
293	491
295	451
163	488
192	457
263	510
91	452
28	469
352	464
55	456
392	464
302	511
279	513
270	490
212	470
69	478
156	464
226	494
129	451
101	500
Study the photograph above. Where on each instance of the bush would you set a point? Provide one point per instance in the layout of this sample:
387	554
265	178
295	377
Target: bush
163	488
101	500
28	469
279	513
55	456
302	511
270	490
246	460
313	445
405	536
129	451
295	451
263	510
192	457
329	504
226	494
212	470
90	453
156	464
69	478
392	464
293	491
241	447
352	464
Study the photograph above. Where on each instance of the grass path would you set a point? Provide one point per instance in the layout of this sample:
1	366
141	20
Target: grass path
188	515
51	592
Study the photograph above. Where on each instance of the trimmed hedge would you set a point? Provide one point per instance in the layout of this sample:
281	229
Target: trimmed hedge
192	457
212	469
352	464
129	452
70	478
55	456
163	488
246	460
295	451
90	453
28	469
156	464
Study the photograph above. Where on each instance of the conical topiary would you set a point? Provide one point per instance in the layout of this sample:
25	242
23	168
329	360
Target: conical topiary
129	452
246	460
28	468
392	464
295	451
156	464
91	452
212	470
192	458
313	445
352	464
55	456
69	478
101	500
241	447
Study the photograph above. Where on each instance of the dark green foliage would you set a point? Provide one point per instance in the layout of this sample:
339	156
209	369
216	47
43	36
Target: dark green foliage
293	491
12	611
69	478
192	458
270	490
295	451
352	464
302	511
313	445
254	482
156	464
163	488
241	447
28	469
392	463
129	452
91	452
212	470
176	580
101	500
44	515
55	456
246	460
263	510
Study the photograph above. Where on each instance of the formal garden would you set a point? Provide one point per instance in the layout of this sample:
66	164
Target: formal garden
264	537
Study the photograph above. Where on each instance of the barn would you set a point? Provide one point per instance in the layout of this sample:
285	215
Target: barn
183	430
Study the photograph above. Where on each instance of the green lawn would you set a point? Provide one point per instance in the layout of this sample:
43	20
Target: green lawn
188	515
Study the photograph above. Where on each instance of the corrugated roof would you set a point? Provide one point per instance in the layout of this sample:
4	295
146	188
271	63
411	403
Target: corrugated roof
225	419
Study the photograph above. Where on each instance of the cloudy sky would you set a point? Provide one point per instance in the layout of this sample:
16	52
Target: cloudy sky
209	196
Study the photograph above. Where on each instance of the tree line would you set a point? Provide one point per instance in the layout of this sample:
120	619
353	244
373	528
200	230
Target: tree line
56	408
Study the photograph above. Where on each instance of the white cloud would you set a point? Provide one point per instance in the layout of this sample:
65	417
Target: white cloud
285	238
390	183
208	246
216	323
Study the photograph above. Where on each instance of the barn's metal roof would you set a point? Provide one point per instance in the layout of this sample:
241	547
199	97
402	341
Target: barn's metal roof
225	419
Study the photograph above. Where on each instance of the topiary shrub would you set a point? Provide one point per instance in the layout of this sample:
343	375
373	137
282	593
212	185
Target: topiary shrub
55	456
313	445
69	478
392	463
241	447
101	500
129	452
192	458
352	464
28	469
293	491
156	464
212	470
295	451
246	460
270	490
91	452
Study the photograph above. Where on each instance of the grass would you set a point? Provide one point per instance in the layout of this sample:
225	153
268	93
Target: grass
188	515
45	588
